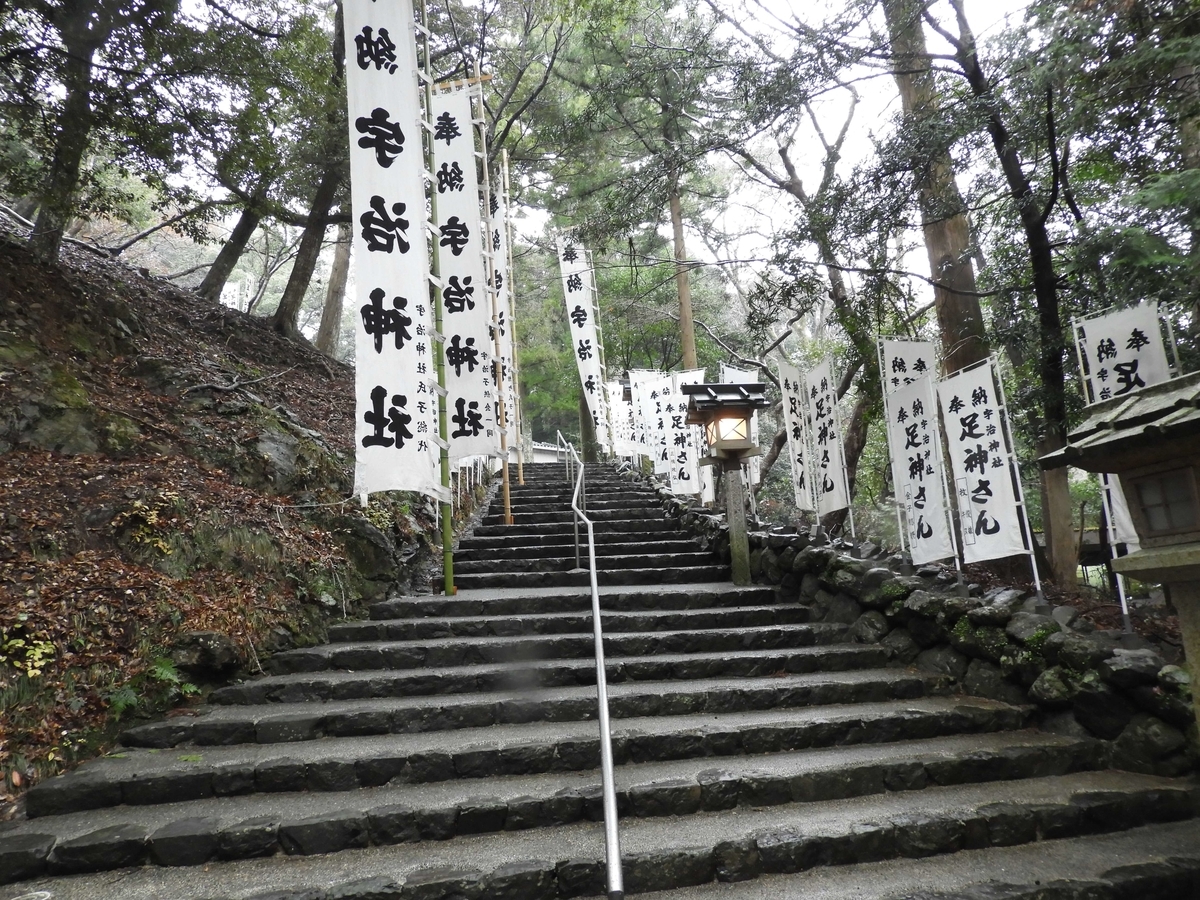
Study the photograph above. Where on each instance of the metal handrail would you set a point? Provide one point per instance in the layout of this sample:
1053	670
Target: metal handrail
612	839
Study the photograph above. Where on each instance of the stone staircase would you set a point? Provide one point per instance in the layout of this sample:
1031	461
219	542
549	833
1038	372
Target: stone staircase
447	748
635	543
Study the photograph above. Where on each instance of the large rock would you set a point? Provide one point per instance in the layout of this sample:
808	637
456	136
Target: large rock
870	627
1079	652
1054	688
944	661
984	679
998	607
1100	709
843	609
1030	629
924	604
1131	668
900	642
1145	741
206	655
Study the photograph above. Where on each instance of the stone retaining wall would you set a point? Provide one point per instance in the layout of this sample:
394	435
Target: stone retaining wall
1004	644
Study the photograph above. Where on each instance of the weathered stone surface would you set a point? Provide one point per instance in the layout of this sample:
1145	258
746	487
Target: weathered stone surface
381	887
1065	616
185	842
395	824
998	607
1131	668
1053	688
108	848
902	645
737	860
926	632
443	883
1100	709
527	879
925	604
843	609
1145	741
249	838
23	856
944	661
1174	677
874	578
1081	652
984	679
1031	629
870	628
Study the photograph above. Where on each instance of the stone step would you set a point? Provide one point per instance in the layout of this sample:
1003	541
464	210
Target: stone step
498	603
518	550
665	575
144	777
597	502
545	495
394	814
657	853
1147	862
604	562
830	660
564	539
465	651
607	526
566	516
568	623
299	720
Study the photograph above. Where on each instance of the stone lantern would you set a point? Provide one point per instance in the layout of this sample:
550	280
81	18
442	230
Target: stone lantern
1151	441
725	410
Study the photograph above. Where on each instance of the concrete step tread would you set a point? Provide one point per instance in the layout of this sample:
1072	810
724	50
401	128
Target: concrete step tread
672	560
470	553
1120	865
669	574
678	851
339	684
477	601
615	621
875	770
536	746
306	719
566	537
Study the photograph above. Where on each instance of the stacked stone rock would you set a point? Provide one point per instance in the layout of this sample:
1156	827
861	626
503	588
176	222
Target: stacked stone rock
1003	644
447	748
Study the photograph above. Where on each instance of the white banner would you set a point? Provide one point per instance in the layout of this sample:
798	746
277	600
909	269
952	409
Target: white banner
396	416
982	464
684	473
579	291
903	362
917	466
1122	351
828	471
620	413
466	313
638	378
657	394
502	309
796	423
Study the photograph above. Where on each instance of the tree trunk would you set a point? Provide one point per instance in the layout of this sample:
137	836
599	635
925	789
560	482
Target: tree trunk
74	132
218	273
288	313
687	329
854	441
1056	500
331	315
943	213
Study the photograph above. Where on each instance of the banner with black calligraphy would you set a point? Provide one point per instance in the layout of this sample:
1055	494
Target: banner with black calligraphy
466	310
828	470
502	309
638	379
796	423
684	472
903	362
917	467
1122	352
620	413
731	375
657	394
982	465
578	282
395	379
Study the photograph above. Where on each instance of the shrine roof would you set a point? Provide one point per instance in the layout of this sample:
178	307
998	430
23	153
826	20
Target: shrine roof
1117	430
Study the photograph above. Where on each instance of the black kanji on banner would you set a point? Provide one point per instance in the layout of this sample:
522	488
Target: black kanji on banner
395	420
377	51
381	232
379	322
380	134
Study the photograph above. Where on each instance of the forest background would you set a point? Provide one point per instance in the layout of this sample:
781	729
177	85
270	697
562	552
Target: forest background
774	172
